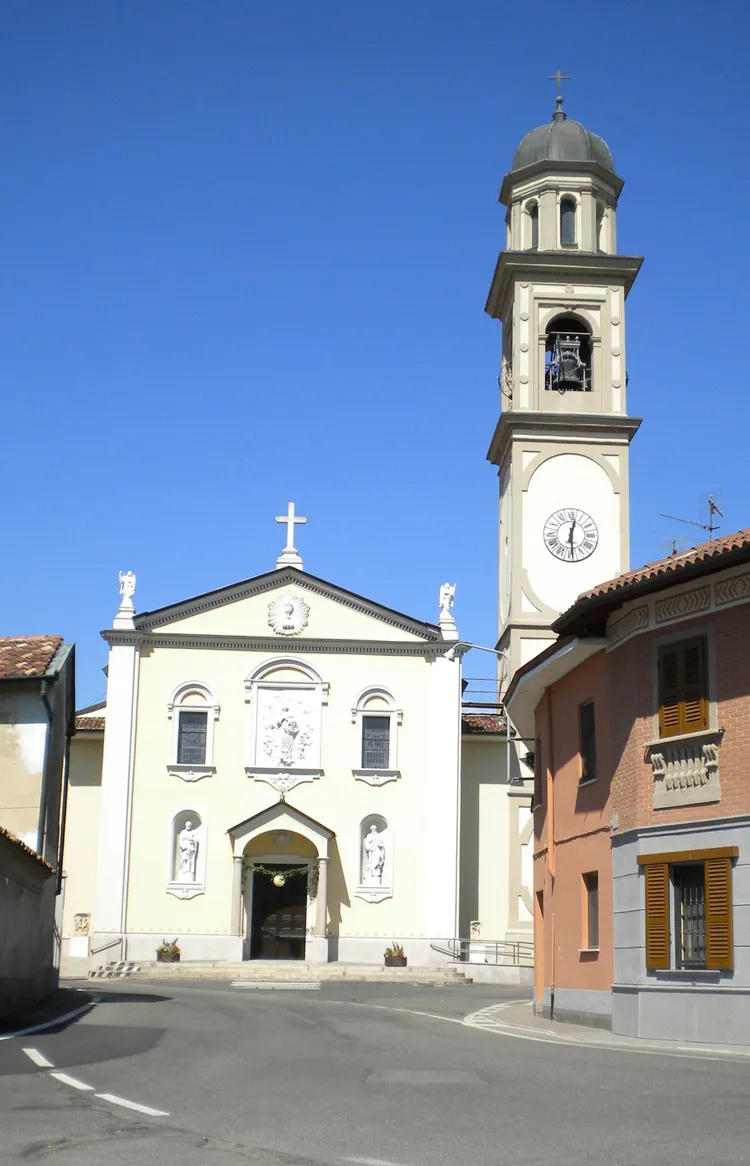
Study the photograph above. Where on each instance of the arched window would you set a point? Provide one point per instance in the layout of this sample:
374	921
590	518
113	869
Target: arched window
375	876
532	209
568	355
377	720
193	740
187	855
567	221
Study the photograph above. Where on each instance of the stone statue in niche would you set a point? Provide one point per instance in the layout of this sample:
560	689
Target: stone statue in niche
187	841
374	856
287	731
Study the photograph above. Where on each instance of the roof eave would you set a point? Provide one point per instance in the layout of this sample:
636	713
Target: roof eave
558	166
525	264
529	682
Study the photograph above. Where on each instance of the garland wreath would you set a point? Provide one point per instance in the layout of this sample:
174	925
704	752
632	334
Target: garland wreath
279	877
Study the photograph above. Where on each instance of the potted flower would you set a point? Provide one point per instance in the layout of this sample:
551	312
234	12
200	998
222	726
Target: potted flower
394	956
168	952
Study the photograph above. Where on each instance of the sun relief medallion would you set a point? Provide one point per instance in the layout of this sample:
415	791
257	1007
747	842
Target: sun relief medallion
287	614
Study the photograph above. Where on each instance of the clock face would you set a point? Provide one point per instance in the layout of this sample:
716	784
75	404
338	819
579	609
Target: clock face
570	535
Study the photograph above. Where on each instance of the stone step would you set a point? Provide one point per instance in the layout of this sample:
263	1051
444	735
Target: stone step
292	971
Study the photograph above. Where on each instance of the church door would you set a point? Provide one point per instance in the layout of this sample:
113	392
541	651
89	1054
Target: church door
279	918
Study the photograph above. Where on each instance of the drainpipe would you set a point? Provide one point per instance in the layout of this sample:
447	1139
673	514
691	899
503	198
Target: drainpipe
41	829
551	844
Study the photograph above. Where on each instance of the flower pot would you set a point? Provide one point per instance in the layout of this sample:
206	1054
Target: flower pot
167	957
395	961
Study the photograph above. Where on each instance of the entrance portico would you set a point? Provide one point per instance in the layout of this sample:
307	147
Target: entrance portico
277	837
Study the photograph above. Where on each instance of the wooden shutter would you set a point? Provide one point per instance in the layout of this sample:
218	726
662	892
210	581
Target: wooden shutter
719	943
670	719
694	695
657	915
683	689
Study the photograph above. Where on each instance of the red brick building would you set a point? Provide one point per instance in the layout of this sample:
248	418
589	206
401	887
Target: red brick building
641	716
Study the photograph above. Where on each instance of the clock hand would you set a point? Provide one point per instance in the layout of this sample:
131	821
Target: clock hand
570	536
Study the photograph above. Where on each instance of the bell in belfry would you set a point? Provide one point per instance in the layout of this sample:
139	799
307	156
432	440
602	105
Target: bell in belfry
570	369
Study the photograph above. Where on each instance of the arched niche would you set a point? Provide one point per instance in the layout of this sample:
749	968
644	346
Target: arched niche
187	854
375	877
568	354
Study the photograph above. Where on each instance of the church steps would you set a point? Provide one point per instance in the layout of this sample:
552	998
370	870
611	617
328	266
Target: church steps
291	971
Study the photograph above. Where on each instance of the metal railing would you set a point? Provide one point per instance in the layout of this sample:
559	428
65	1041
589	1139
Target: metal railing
518	952
104	946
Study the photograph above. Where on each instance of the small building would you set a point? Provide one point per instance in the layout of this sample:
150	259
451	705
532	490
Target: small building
37	702
640	718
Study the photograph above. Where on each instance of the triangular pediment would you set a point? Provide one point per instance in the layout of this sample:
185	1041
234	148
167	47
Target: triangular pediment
250	608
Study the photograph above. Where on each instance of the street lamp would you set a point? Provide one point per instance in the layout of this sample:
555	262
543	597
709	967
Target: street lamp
502	653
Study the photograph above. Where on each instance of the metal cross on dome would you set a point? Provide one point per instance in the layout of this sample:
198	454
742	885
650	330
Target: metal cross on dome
558	77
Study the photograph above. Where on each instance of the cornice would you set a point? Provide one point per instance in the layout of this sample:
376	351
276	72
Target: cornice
566	266
556	169
596	428
266	644
271	581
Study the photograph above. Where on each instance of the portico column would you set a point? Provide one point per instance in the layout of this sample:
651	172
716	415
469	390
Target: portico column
236	925
321	899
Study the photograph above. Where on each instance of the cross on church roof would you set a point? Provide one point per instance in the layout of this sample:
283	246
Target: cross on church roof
289	556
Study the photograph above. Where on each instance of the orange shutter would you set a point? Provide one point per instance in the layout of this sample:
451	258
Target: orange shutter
657	915
719	944
670	719
694	695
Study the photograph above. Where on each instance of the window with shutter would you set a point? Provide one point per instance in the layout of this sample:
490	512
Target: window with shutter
683	688
657	915
719	944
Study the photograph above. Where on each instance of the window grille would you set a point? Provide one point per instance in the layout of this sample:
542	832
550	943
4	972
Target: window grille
376	742
191	741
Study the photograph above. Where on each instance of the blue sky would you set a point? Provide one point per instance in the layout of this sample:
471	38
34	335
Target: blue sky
245	254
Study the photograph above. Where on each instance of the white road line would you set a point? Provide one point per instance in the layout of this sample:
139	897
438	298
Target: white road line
374	1161
65	1079
114	1100
51	1023
38	1058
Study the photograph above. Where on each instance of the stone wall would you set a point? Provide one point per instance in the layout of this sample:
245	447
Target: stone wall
27	916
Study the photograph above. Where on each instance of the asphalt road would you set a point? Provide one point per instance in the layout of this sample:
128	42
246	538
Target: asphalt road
369	1074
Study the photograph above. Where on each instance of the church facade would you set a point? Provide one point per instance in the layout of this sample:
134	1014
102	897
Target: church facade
279	778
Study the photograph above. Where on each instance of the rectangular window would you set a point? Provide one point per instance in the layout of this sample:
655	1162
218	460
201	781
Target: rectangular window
689	915
689	909
376	742
191	739
683	688
591	890
587	740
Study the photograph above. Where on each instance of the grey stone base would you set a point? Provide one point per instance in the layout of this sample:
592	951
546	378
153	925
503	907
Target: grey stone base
709	1014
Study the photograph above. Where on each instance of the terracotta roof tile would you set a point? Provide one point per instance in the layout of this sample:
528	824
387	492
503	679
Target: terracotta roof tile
482	723
90	724
703	559
26	656
22	846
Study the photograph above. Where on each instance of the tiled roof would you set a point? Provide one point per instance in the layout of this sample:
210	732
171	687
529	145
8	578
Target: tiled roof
472	723
22	846
90	724
26	656
703	559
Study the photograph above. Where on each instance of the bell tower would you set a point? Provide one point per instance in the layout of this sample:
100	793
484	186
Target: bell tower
562	441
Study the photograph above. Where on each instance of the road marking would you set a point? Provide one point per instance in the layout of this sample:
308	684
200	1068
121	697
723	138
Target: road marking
114	1100
65	1079
38	1058
275	985
51	1023
374	1161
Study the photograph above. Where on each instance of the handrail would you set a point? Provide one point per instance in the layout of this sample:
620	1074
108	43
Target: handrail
104	946
489	951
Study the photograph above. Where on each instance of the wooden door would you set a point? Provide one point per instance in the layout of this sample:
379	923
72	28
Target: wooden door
279	918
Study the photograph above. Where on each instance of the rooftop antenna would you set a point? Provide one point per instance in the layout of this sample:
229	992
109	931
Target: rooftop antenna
711	526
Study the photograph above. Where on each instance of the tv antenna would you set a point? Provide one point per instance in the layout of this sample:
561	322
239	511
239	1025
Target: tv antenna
711	526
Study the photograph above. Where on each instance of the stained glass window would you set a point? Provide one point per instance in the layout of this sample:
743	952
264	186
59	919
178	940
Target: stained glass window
376	742
191	742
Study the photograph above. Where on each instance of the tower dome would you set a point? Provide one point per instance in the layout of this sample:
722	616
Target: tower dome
562	140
